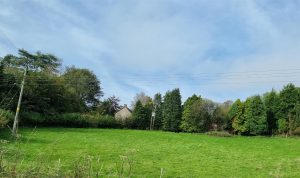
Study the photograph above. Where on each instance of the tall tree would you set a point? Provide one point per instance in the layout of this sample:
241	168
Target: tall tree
255	116
272	102
109	106
220	117
85	85
236	115
140	116
44	94
191	114
289	97
157	101
37	63
33	62
172	110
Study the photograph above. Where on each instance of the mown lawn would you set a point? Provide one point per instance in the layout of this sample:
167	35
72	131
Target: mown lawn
153	152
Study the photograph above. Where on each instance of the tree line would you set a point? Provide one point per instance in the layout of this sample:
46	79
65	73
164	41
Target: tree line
52	95
269	114
72	97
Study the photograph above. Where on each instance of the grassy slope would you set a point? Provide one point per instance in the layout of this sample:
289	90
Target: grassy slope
180	155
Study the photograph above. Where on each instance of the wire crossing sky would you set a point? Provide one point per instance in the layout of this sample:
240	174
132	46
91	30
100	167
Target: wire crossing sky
217	49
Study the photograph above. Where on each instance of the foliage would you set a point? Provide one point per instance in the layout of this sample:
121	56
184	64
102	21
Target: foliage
297	131
84	84
5	117
255	116
109	106
220	117
46	91
249	117
236	115
158	112
289	97
140	116
191	113
45	94
34	62
283	126
8	89
80	120
272	102
172	110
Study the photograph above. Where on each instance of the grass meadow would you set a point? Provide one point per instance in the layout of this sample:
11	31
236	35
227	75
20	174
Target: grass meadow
133	153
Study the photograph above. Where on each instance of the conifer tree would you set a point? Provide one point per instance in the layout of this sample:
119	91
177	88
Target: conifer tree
172	110
236	115
289	98
189	118
255	116
158	111
271	101
140	116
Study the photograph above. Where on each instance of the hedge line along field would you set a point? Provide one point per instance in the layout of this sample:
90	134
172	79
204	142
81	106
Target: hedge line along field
154	153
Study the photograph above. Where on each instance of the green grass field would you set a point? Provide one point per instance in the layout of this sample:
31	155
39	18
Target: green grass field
177	154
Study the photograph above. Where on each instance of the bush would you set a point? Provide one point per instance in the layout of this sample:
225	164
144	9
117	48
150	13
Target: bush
219	134
125	123
5	117
68	120
297	131
31	118
100	121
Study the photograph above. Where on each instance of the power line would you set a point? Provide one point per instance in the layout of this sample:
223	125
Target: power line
179	77
10	101
7	94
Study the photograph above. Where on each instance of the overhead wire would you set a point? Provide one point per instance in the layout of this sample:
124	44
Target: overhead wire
7	94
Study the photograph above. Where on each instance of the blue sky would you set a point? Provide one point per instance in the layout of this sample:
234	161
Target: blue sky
217	49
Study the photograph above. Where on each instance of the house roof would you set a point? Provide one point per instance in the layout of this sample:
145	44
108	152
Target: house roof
125	107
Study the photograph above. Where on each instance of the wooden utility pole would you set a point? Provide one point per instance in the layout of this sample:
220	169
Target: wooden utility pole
15	126
153	118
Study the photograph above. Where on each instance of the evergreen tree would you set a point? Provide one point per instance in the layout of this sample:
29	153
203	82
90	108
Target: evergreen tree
255	116
140	116
158	112
189	118
289	97
271	101
172	110
236	115
297	117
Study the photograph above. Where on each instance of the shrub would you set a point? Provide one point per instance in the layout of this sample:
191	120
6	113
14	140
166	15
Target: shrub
100	121
5	117
125	123
219	134
297	131
69	120
31	118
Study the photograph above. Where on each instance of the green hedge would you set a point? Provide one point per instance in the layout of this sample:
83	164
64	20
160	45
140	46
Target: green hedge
68	120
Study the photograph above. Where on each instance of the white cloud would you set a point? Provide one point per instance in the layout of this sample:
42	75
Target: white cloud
157	45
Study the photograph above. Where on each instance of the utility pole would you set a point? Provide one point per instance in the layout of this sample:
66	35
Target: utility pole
15	126
153	118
